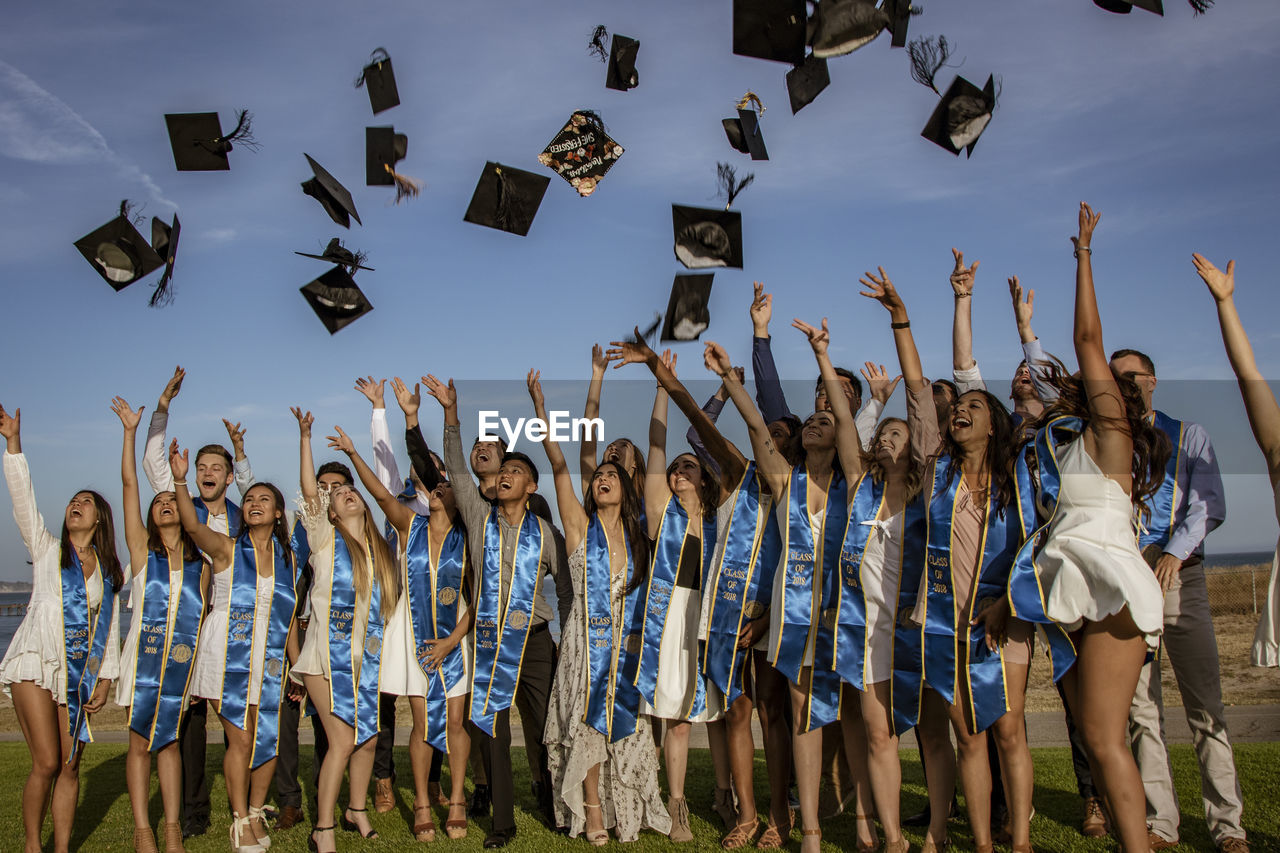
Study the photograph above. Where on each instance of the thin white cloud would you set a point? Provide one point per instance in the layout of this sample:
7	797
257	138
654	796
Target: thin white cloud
219	235
39	127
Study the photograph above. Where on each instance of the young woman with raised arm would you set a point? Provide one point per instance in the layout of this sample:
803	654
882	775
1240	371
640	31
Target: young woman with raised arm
434	576
240	662
621	450
975	657
603	766
1264	420
169	586
1097	457
811	508
57	685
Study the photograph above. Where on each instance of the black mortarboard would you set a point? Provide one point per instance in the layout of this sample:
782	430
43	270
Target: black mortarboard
383	148
198	143
506	198
687	312
118	252
581	152
333	196
900	12
961	115
621	73
707	237
806	81
380	80
843	26
336	253
164	240
770	29
744	131
1124	7
336	299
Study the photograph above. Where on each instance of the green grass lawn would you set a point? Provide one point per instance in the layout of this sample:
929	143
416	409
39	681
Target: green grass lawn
103	821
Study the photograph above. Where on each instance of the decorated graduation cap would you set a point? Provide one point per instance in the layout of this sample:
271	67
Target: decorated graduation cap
198	143
582	152
379	81
843	26
336	299
164	240
709	237
118	252
770	29
806	81
1124	7
506	198
687	313
383	148
333	196
744	131
336	253
964	110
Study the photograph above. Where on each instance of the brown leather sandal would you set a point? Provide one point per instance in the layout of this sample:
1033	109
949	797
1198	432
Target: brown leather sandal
424	830
454	828
741	835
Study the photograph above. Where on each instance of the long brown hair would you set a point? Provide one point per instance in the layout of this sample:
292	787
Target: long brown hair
104	542
637	482
915	472
279	529
630	514
1151	447
155	540
384	566
1002	450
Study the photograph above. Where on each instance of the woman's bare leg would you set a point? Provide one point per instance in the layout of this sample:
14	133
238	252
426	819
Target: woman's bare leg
1015	757
975	774
883	764
806	749
854	734
137	777
169	769
419	752
593	817
235	765
742	757
772	696
934	735
676	748
459	749
38	717
360	770
341	744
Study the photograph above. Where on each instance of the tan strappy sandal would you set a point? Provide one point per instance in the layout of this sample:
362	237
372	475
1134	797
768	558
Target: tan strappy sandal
597	837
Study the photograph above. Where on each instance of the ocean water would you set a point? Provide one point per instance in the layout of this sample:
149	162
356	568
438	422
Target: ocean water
9	624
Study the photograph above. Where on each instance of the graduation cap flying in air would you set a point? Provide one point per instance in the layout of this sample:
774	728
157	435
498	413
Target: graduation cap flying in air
121	255
336	299
711	237
688	315
336	253
1124	7
332	195
744	131
582	152
964	110
379	81
838	27
383	149
199	145
506	198
620	60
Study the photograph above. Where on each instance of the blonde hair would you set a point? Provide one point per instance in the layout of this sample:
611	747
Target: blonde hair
384	566
915	473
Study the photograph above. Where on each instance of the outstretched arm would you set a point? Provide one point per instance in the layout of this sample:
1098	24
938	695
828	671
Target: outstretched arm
772	465
1032	351
769	396
572	517
240	467
1105	403
923	427
384	458
306	465
135	529
400	515
587	448
848	447
217	545
1259	400
964	368
419	453
155	456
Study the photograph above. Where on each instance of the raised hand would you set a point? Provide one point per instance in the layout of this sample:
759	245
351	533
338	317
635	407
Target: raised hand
818	338
304	421
127	416
375	392
10	425
881	289
1088	221
534	381
716	359
761	311
171	388
962	276
178	462
409	401
598	360
1022	308
668	359
879	384
446	394
341	441
1221	284
236	433
628	352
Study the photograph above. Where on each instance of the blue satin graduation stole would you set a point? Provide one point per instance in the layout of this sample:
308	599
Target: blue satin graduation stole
612	701
84	641
166	647
300	545
354	702
433	582
663	570
502	625
810	592
946	626
908	637
743	583
233	515
1165	501
241	613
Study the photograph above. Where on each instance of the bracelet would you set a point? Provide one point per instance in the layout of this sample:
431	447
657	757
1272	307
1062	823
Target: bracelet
964	295
905	324
1080	249
179	482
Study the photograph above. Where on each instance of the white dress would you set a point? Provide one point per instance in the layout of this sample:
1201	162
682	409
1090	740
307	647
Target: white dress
1090	566
679	662
206	676
780	581
36	652
1266	639
313	659
881	573
129	651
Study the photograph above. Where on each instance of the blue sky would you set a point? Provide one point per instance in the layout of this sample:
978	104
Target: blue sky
1167	125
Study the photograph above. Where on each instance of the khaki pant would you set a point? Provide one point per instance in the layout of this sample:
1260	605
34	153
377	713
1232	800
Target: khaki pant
1193	653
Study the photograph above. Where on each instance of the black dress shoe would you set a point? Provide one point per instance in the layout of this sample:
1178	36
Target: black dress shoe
920	818
195	826
499	838
479	802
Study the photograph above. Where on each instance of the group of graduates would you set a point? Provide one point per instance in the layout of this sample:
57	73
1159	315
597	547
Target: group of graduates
846	575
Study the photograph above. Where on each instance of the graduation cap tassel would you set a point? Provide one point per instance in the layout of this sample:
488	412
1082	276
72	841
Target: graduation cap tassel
508	210
128	212
163	294
593	119
927	56
376	58
1200	6
243	132
729	185
597	48
751	98
406	187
